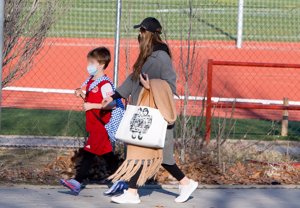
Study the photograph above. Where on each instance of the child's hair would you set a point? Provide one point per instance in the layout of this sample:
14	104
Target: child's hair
101	54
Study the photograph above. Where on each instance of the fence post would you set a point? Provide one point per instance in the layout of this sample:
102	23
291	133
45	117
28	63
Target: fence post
117	41
240	24
1	51
285	118
208	101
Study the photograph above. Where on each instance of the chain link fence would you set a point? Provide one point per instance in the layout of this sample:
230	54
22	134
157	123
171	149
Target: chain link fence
41	101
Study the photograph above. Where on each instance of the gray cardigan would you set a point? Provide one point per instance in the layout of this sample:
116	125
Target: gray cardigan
157	66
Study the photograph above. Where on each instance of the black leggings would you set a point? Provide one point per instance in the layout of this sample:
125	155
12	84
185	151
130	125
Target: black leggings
172	169
84	167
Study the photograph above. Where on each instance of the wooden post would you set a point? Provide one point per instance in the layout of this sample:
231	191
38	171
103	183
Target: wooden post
285	118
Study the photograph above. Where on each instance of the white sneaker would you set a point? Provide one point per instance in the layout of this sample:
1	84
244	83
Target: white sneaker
186	191
126	198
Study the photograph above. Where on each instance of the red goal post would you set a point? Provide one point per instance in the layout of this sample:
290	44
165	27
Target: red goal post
210	104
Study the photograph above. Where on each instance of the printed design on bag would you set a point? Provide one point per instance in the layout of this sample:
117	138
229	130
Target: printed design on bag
140	123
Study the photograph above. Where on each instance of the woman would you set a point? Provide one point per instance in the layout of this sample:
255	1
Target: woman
154	62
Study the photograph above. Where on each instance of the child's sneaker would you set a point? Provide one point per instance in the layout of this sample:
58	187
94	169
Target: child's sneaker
72	184
117	187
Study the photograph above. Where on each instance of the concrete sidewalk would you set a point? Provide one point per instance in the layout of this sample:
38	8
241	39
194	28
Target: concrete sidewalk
43	196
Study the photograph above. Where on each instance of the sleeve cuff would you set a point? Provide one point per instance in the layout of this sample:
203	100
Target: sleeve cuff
116	96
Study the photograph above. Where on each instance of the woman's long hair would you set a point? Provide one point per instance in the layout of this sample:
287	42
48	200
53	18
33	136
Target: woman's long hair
146	41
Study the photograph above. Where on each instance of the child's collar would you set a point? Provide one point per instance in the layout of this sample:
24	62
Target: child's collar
103	75
95	82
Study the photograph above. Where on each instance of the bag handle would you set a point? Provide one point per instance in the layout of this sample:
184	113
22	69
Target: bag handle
147	94
151	99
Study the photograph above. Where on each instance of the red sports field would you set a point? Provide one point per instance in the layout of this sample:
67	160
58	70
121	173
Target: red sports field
61	67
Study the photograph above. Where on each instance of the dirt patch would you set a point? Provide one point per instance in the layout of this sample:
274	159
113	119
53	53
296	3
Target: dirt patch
30	165
206	170
235	166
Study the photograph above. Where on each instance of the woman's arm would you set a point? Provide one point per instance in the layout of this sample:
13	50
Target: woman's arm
144	79
167	72
125	89
110	106
121	92
116	96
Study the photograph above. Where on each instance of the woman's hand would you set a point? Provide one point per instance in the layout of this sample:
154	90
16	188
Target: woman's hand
79	93
145	82
89	106
106	101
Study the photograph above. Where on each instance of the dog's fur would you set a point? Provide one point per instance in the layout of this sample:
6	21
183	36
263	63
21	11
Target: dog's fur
99	170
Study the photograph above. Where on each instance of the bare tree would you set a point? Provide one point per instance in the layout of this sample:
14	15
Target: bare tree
187	66
189	126
127	27
25	27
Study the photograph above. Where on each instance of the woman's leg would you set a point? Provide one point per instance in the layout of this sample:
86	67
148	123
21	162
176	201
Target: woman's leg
169	162
130	196
187	186
176	173
132	184
172	169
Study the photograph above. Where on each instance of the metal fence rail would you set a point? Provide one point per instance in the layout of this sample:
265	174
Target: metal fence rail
289	91
41	142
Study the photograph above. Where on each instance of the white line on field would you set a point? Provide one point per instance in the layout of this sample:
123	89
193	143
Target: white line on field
192	98
72	32
208	9
261	37
40	90
206	45
240	100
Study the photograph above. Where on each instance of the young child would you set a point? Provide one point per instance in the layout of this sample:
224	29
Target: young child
98	143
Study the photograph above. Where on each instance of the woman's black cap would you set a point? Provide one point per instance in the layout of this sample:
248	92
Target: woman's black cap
150	24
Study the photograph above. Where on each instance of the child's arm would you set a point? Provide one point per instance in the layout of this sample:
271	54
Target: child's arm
79	93
89	106
106	91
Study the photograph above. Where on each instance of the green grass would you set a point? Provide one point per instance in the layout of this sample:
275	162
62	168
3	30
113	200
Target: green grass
269	20
42	122
258	129
72	123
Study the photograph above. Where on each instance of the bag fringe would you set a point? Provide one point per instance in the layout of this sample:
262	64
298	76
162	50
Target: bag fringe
130	167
